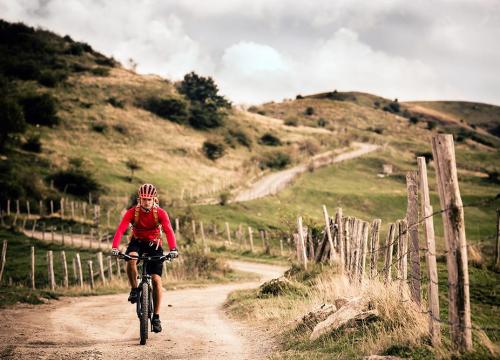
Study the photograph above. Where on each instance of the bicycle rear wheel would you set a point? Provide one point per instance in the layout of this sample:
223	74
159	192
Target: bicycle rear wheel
144	312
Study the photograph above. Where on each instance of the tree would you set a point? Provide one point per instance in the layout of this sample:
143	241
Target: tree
132	165
202	90
11	120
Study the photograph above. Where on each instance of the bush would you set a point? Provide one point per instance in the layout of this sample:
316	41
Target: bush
431	125
224	198
24	70
116	103
270	140
298	97
11	119
99	127
291	122
275	160
393	107
122	129
100	71
322	122
40	109
33	144
202	90
168	108
213	150
205	116
413	120
309	111
75	181
78	48
377	130
261	112
104	61
51	78
240	136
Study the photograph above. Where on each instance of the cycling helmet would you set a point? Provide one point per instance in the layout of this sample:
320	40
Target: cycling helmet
147	191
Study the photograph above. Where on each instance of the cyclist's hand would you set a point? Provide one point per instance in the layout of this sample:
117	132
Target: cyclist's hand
115	252
174	253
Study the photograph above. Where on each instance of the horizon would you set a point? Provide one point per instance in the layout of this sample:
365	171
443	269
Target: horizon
274	51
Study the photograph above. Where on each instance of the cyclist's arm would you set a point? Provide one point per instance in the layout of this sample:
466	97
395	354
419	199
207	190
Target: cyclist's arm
127	218
167	227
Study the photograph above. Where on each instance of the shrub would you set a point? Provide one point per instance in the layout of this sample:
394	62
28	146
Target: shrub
33	144
275	160
270	140
75	181
132	165
431	125
100	71
413	120
78	48
168	108
40	109
224	197
253	109
298	97
322	122
11	119
377	130
24	70
104	61
205	116
240	136
116	103
376	104
77	67
309	147
99	127
122	129
261	112
309	111
291	122
51	78
202	89
213	150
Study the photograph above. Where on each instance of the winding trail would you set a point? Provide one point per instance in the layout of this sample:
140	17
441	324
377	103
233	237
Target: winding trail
273	183
106	327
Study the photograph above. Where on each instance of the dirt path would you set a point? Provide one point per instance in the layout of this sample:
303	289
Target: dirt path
275	182
106	327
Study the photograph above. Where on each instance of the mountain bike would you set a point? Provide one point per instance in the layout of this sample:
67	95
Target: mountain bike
144	306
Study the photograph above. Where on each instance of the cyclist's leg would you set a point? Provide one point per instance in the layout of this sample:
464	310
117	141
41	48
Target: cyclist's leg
132	249
157	292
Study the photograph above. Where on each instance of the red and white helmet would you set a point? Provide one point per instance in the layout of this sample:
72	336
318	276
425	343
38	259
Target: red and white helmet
147	191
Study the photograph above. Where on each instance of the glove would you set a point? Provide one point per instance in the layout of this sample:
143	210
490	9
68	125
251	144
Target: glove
174	253
115	252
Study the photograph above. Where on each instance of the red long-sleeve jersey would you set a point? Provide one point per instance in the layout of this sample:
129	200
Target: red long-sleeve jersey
146	227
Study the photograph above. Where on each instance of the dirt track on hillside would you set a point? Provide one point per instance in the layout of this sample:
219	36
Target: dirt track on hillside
275	182
106	327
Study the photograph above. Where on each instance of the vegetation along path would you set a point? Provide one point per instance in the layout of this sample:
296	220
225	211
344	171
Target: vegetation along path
106	327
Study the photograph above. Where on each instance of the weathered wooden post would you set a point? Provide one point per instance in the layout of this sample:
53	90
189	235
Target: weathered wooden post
79	267
84	209
118	269
250	237
228	232
456	244
177	227
302	241
374	247
50	264
329	234
281	247
8	207
101	267
340	238
193	225
91	274
389	243
61	204
4	258
18	209
403	244
51	207
347	235
110	269
412	219
75	271
28	209
33	267
65	270
364	250
430	254
202	232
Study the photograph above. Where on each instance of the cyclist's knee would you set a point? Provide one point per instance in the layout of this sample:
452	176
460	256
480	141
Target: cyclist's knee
156	278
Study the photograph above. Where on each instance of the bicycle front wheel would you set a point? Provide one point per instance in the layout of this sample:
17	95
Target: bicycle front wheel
144	313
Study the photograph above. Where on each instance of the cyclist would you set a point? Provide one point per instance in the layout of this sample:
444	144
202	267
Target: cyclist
147	220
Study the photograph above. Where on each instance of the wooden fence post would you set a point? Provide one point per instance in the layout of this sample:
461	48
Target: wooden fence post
202	232
101	267
433	298
228	232
50	265
28	208
413	243
51	207
250	237
75	271
302	241
329	234
33	267
403	251
281	247
347	234
91	274
389	243
110	269
65	269
177	227
8	207
79	267
374	247
193	225
364	250
118	269
456	244
4	258
18	209
340	238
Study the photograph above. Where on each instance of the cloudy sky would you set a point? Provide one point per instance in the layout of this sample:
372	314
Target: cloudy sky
264	50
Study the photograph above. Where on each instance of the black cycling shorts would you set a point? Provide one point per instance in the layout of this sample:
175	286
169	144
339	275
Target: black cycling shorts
143	247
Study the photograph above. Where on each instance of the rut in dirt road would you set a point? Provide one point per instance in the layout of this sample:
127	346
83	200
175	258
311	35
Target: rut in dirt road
106	327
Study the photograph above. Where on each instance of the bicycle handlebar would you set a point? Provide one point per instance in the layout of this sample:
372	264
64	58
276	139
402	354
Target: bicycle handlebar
166	257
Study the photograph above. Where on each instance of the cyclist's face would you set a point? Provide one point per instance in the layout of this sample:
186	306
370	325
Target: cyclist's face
146	203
